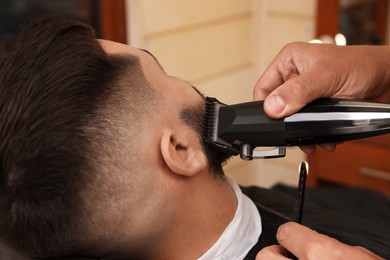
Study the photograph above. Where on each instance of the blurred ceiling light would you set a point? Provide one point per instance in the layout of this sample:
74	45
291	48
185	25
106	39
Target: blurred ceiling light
340	39
316	41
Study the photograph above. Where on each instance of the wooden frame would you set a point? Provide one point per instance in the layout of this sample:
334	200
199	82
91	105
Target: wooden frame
113	20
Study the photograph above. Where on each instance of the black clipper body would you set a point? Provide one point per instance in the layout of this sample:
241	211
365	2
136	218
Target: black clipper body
241	128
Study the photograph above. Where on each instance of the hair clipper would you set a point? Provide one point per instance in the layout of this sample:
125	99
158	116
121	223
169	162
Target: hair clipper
244	128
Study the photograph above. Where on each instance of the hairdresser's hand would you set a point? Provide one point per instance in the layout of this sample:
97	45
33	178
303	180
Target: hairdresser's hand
306	243
303	72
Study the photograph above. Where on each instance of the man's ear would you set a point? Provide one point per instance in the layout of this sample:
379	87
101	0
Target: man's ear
182	153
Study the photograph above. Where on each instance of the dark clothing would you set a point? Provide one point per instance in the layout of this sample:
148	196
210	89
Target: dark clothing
324	211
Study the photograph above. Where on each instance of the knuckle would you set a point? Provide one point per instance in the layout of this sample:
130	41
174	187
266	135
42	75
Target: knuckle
288	70
300	87
293	46
263	254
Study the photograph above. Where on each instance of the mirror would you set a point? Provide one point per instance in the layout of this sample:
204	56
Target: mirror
359	21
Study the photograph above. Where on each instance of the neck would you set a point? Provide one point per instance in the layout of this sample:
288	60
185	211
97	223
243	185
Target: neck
206	207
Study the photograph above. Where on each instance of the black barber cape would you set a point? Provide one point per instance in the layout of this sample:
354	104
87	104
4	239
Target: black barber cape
353	216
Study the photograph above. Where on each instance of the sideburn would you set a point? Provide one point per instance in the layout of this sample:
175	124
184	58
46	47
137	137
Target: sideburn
194	118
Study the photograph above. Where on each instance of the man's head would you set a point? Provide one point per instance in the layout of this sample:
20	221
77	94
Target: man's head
94	136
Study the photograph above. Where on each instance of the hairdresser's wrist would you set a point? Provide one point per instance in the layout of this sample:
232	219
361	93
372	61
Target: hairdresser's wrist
379	58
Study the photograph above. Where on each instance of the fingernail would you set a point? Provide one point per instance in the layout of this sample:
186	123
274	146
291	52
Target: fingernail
275	104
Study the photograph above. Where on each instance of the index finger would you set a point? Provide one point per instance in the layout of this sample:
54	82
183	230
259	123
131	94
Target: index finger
274	252
281	69
270	80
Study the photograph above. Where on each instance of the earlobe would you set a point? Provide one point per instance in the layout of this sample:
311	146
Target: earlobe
181	154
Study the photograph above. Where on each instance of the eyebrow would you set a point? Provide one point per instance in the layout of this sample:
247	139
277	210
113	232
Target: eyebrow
154	57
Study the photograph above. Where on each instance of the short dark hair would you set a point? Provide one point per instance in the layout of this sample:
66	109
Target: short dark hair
54	81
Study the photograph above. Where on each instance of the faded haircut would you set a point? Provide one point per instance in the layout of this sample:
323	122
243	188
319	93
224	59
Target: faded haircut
56	83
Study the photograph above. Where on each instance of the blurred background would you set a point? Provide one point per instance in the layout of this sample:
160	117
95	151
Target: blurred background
223	46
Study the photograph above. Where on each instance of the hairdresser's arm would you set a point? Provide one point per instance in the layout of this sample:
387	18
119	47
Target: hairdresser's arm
305	243
303	72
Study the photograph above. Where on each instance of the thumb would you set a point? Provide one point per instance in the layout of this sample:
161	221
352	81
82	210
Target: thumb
293	95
